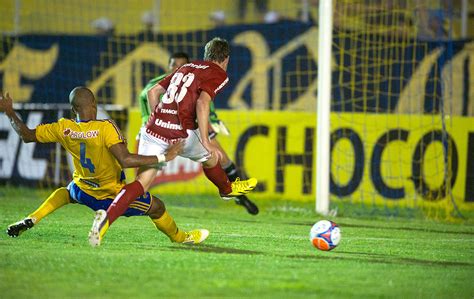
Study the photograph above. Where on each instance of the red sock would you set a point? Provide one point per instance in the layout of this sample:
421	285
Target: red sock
218	177
125	197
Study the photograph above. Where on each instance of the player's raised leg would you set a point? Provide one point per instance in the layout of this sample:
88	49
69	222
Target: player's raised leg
194	149
232	173
242	200
228	189
57	199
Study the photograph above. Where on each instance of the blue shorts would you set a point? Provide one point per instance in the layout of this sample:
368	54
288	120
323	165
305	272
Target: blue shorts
139	207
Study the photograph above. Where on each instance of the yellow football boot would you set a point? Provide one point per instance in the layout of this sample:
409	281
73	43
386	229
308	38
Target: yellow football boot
240	187
196	236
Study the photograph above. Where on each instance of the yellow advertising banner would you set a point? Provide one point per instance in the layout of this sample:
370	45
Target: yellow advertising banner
375	158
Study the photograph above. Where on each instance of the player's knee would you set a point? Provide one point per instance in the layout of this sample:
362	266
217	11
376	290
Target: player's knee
211	162
157	208
63	192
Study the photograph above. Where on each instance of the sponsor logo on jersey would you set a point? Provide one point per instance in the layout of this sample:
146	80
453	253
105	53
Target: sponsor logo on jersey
168	111
80	135
167	125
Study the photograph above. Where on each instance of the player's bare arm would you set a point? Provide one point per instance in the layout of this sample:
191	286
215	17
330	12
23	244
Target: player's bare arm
154	95
128	160
202	113
6	105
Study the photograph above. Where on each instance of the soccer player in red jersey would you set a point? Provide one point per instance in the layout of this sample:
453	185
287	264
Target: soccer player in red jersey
187	94
216	127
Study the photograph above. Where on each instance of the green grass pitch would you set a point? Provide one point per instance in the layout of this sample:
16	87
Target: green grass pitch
264	256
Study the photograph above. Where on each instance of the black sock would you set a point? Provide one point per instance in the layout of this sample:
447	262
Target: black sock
231	172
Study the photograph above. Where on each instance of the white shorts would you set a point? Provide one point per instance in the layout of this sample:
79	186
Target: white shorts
193	148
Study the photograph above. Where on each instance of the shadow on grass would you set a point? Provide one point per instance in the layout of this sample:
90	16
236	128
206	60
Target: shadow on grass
213	249
365	257
377	258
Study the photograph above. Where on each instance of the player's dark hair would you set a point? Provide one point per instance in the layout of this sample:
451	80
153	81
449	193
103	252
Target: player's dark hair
180	55
217	49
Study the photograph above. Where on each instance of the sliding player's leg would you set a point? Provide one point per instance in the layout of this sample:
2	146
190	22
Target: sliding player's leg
129	193
148	145
166	224
233	175
57	199
155	209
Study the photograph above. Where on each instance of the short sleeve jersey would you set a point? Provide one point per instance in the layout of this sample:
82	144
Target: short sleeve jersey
96	171
176	112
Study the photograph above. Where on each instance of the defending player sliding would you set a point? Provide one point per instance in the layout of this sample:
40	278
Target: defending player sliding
99	153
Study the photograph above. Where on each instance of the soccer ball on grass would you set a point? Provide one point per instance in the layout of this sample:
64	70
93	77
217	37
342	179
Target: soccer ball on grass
325	235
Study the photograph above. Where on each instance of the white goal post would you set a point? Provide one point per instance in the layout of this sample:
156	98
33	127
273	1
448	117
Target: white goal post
324	108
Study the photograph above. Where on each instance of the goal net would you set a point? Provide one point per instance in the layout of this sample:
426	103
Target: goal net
396	125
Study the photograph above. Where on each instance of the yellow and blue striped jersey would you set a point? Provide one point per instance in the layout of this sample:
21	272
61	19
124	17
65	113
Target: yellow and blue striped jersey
96	171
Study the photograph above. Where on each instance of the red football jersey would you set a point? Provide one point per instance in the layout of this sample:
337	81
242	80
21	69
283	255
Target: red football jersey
176	112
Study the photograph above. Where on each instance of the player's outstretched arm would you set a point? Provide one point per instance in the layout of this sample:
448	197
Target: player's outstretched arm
6	105
127	159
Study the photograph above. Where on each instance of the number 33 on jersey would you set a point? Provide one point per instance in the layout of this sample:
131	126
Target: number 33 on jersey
177	112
